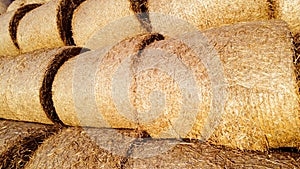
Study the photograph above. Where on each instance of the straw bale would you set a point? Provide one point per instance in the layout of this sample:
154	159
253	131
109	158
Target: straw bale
26	84
8	29
19	140
3	5
288	10
48	26
20	3
261	109
95	16
79	148
212	13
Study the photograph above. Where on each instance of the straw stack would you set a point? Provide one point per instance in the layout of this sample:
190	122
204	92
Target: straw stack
26	84
98	17
261	108
8	30
288	10
20	3
75	148
3	5
19	141
212	13
48	26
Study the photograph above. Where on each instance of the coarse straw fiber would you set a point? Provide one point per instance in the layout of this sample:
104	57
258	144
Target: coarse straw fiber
20	3
26	84
211	13
3	5
258	88
79	148
93	15
19	140
8	29
48	26
288	10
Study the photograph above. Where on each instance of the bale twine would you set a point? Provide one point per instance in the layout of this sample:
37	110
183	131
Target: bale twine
212	13
3	5
92	16
74	148
20	3
261	110
8	30
19	141
288	10
26	82
48	26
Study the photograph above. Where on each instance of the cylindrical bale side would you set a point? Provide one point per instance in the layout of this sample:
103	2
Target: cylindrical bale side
211	13
26	82
78	81
103	18
3	5
288	10
78	148
48	26
8	30
19	141
16	4
129	86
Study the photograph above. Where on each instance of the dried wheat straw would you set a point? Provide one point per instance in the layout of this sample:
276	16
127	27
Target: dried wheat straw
48	26
288	10
26	84
8	30
261	109
20	3
93	16
75	148
3	5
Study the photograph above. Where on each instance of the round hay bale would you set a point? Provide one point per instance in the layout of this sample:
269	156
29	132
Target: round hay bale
48	26
212	13
75	148
8	30
3	5
19	140
107	88
93	15
288	10
26	82
20	3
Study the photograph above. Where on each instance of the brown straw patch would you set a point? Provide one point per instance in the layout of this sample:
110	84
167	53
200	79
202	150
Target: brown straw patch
140	8
19	14
19	141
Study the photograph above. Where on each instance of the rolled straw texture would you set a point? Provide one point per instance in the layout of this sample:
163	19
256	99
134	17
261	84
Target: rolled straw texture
78	148
7	46
94	16
288	10
19	141
26	81
3	5
261	107
48	26
211	13
8	30
20	3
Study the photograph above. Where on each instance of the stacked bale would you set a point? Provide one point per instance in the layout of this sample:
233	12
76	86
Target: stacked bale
48	26
16	4
19	141
8	29
75	148
26	84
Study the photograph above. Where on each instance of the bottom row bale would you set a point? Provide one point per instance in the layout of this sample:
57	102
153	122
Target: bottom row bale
108	148
19	140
